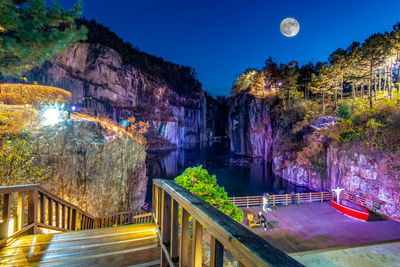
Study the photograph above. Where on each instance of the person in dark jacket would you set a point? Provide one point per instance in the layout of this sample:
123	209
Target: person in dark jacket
261	217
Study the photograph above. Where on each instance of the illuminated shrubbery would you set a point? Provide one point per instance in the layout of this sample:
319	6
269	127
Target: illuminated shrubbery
21	94
198	181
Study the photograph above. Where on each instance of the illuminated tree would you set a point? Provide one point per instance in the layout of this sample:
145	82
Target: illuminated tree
290	75
322	83
32	32
374	53
198	181
244	81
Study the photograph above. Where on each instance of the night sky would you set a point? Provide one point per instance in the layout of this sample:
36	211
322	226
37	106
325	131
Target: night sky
220	39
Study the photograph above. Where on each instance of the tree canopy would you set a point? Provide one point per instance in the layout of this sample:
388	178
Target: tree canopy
198	181
32	32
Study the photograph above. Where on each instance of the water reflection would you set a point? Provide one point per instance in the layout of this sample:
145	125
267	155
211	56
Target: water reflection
241	176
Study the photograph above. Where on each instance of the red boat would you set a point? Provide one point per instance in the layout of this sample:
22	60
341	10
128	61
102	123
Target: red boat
351	209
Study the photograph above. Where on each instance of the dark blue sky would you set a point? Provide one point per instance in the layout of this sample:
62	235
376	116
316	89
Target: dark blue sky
221	38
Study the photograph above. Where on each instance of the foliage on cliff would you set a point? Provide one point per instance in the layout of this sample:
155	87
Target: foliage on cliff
32	32
198	181
19	164
182	79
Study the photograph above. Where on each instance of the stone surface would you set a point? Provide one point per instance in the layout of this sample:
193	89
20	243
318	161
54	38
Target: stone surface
250	127
100	171
121	90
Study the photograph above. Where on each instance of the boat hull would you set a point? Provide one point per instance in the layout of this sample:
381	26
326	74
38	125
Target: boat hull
362	214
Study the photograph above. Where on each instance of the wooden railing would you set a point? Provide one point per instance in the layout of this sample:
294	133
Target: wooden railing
171	201
284	199
34	207
248	201
123	218
363	201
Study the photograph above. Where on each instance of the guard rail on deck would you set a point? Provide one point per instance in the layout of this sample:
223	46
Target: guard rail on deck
37	208
363	201
284	199
247	247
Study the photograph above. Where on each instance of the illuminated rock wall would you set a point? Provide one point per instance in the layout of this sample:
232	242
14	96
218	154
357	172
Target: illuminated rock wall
100	171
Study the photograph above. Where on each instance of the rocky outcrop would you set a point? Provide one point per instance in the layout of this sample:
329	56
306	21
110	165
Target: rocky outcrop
365	171
250	128
99	170
356	168
96	73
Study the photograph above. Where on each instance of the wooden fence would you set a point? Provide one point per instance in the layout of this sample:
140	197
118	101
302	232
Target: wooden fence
363	201
171	201
30	207
284	199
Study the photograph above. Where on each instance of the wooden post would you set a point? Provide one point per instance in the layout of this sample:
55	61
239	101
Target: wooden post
74	217
69	218
322	196
42	208
174	230
184	240
197	251
20	210
6	216
57	214
165	224
63	217
247	200
274	199
217	253
310	196
32	211
233	200
286	199
50	210
298	199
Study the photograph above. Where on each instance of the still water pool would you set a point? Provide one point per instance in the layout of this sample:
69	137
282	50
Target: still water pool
240	175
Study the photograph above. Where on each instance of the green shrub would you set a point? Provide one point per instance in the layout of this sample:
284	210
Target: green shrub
344	110
198	181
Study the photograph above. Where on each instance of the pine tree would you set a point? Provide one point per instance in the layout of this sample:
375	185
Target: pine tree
32	32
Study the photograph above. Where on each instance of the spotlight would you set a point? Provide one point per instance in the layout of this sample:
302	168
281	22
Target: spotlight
73	108
52	116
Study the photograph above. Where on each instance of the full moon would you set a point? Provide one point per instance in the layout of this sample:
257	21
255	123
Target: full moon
290	27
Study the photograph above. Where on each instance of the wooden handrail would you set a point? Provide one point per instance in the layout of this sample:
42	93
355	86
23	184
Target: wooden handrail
247	247
283	199
49	211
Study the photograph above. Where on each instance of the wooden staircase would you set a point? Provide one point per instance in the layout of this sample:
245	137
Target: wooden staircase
128	245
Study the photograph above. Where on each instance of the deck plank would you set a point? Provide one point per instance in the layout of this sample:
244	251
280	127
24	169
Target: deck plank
116	246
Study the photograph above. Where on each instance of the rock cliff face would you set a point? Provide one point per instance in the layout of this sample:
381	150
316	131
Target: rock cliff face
98	170
250	128
355	168
117	90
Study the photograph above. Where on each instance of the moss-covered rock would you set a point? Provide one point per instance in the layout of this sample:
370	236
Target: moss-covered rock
100	171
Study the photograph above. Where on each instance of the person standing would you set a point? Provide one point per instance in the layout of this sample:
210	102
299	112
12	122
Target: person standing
261	217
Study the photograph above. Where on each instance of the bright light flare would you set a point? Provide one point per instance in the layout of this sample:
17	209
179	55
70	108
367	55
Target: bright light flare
52	116
11	227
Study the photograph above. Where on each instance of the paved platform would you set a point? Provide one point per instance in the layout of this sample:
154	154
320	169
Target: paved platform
306	227
367	256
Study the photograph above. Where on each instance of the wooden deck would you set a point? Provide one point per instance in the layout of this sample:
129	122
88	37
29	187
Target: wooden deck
114	246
